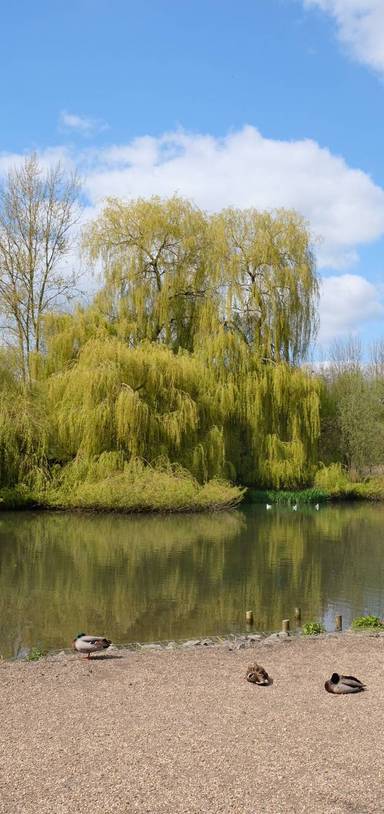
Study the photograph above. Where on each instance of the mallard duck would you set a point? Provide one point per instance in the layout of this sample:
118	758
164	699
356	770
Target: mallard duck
257	675
343	684
90	644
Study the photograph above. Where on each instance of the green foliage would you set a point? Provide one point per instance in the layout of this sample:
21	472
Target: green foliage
157	266
175	275
256	423
362	622
352	411
35	654
371	489
312	629
303	496
333	479
108	483
17	497
23	425
143	401
269	280
187	355
361	421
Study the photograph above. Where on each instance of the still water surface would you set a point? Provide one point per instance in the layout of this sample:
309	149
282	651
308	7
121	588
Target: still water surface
156	578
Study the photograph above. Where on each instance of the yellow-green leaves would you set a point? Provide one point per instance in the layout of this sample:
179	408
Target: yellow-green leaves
189	354
176	275
155	256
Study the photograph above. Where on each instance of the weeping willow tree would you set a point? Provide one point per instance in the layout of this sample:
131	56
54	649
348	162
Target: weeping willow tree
252	422
23	426
269	413
173	274
187	357
156	260
190	350
278	427
144	402
269	281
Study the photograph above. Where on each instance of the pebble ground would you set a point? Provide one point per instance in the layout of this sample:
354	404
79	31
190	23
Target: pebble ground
182	732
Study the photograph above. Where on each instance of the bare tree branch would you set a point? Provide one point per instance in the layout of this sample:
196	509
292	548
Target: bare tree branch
37	214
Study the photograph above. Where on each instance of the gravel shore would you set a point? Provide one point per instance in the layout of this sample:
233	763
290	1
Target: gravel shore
181	731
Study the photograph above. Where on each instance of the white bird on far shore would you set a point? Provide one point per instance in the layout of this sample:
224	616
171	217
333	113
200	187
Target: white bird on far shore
317	507
294	508
268	506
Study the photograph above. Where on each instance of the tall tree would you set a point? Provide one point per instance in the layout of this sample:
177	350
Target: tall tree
154	256
178	276
270	281
38	209
352	413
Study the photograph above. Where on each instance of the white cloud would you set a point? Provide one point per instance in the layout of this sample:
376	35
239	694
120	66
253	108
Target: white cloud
347	302
81	124
342	205
360	26
47	158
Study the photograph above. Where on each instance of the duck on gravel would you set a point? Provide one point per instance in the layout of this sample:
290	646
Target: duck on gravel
340	685
90	644
257	675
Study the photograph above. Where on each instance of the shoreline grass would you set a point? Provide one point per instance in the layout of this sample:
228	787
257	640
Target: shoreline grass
108	484
370	490
213	496
150	491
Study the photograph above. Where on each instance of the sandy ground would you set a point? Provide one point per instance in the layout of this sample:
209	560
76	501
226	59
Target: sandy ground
166	732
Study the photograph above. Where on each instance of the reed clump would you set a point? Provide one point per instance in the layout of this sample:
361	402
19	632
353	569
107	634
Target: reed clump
367	622
135	486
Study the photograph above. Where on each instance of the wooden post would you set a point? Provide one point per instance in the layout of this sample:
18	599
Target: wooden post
339	622
285	626
249	617
298	614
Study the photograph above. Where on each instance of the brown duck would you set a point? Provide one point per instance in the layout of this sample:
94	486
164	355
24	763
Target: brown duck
257	675
340	685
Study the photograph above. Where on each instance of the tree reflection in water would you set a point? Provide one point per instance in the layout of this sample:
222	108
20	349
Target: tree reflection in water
155	578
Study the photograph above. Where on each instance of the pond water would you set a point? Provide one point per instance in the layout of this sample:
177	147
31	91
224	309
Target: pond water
156	578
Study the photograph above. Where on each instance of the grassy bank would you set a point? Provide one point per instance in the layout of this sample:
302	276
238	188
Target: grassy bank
370	490
151	492
109	484
286	498
134	489
168	494
17	497
331	483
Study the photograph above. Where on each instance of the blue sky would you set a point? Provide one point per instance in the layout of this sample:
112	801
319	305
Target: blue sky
263	102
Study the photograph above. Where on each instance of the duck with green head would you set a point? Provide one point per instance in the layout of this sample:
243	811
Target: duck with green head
341	685
87	644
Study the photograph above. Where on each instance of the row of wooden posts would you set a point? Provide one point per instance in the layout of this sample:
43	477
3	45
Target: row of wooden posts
297	614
